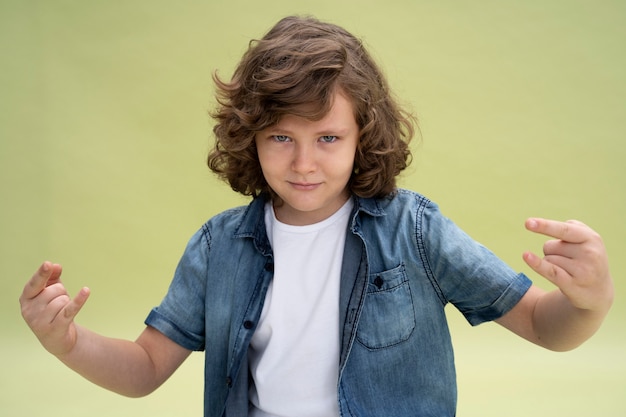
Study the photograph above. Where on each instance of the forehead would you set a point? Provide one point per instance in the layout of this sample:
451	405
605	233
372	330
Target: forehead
340	115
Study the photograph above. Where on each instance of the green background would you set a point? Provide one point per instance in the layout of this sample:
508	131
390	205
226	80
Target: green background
104	131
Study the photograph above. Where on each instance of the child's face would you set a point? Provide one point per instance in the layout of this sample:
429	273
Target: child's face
308	163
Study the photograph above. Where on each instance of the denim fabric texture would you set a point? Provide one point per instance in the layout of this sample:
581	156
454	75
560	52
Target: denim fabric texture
403	263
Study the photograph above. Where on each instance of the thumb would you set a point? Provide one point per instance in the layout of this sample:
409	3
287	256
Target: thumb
76	304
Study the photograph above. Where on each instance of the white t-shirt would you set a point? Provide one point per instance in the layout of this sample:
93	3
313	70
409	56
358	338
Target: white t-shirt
294	352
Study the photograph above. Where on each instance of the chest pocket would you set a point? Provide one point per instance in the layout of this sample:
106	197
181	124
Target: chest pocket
388	316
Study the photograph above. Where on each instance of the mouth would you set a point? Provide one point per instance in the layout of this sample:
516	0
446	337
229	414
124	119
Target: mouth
304	186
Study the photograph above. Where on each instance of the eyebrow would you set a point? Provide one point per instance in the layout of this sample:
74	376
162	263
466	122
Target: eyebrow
330	131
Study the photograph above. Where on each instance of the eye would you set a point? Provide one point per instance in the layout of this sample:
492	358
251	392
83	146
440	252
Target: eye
281	138
328	138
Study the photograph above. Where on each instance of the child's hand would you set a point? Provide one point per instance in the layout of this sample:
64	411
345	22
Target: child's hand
576	262
49	311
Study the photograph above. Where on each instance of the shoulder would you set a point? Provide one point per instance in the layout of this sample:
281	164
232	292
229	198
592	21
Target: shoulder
404	213
397	205
403	198
227	219
412	213
217	228
237	220
217	236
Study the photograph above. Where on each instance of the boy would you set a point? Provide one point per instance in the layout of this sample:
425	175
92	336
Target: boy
325	296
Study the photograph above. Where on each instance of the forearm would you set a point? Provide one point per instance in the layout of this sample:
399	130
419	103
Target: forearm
118	365
558	325
130	368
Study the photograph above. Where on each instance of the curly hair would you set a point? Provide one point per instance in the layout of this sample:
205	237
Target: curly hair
296	69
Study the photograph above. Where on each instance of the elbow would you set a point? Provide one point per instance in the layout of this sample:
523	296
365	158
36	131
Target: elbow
561	347
136	391
563	342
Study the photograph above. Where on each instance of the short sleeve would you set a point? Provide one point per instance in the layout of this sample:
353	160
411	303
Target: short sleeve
467	274
180	316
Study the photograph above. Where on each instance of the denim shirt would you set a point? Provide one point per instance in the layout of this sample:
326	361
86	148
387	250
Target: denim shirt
403	263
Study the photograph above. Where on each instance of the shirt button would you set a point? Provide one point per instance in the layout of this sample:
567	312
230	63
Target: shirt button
378	282
229	382
248	324
269	267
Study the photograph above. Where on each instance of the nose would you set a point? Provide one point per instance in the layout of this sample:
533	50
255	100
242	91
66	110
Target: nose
304	158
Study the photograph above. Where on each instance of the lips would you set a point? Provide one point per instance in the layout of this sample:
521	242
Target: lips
304	186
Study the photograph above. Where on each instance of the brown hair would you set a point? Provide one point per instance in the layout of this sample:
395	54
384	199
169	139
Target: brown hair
295	69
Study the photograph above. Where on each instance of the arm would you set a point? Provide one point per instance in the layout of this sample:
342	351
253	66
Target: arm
129	368
576	262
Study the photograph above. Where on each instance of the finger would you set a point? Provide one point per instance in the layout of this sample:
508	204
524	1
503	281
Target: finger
45	306
47	272
561	248
567	265
76	304
51	292
571	231
551	271
54	307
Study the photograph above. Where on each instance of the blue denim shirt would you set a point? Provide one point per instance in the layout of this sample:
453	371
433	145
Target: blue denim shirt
403	263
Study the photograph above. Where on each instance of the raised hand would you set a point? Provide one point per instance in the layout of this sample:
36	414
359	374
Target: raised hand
575	261
49	311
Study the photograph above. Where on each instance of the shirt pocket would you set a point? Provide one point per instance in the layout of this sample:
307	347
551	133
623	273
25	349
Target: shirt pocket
388	316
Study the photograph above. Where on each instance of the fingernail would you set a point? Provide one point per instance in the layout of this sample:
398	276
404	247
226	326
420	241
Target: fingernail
532	223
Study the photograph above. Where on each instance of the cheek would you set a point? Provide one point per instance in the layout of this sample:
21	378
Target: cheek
347	162
266	159
271	166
